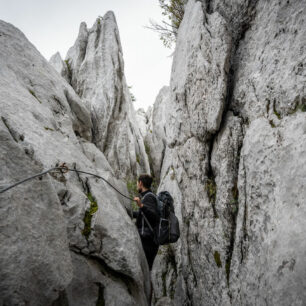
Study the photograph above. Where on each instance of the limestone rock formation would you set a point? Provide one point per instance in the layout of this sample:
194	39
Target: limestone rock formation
234	158
58	64
227	139
95	69
156	135
143	121
65	238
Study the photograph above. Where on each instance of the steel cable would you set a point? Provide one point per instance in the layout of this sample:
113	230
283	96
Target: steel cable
63	170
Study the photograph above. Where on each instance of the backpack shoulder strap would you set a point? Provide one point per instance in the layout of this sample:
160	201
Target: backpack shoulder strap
145	218
149	193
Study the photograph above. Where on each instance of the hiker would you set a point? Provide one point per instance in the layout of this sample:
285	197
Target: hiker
147	204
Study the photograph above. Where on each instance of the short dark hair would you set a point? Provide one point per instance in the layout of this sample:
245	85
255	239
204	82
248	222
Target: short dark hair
146	180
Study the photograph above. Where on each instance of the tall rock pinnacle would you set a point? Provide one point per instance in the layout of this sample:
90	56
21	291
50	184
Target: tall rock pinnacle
95	69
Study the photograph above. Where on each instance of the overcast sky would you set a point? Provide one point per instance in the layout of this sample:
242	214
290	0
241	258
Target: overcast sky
53	26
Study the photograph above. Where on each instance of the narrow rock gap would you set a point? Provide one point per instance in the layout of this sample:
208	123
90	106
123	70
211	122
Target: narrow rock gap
211	185
244	227
100	300
69	71
234	214
230	90
209	8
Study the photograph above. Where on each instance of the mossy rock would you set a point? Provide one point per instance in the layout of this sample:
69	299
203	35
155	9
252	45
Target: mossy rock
88	215
211	189
138	158
131	185
217	259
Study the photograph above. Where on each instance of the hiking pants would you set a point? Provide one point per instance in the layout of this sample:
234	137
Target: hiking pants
150	249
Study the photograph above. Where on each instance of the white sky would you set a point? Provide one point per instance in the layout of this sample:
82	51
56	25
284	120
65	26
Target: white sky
53	25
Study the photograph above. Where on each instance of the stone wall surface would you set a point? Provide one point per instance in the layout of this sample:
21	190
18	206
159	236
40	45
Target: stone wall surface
66	239
234	156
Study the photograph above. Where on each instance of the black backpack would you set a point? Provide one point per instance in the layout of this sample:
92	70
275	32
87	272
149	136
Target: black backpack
167	230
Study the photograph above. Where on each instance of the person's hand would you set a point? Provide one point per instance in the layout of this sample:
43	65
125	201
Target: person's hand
137	200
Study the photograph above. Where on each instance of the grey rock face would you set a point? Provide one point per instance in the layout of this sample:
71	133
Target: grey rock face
272	84
157	125
94	284
268	261
234	154
196	103
57	62
142	121
95	69
35	261
44	123
199	73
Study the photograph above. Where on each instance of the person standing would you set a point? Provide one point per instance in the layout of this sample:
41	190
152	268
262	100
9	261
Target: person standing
147	213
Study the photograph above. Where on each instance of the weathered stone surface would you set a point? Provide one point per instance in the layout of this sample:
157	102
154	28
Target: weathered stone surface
142	121
44	123
226	139
234	159
96	71
156	136
94	284
198	88
57	62
269	255
199	74
271	71
35	262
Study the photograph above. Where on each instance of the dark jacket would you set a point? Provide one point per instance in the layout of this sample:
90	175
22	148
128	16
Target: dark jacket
150	211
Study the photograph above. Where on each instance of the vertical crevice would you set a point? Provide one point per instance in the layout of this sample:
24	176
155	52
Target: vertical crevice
100	300
237	36
69	71
233	213
209	8
62	299
245	215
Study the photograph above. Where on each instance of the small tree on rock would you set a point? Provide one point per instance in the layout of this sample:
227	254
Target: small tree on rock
173	10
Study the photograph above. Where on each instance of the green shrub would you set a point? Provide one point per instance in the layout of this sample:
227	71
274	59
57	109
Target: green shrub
276	113
48	129
211	189
173	10
34	95
218	259
88	215
138	158
131	185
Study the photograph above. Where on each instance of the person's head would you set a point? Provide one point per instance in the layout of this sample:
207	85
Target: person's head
144	182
